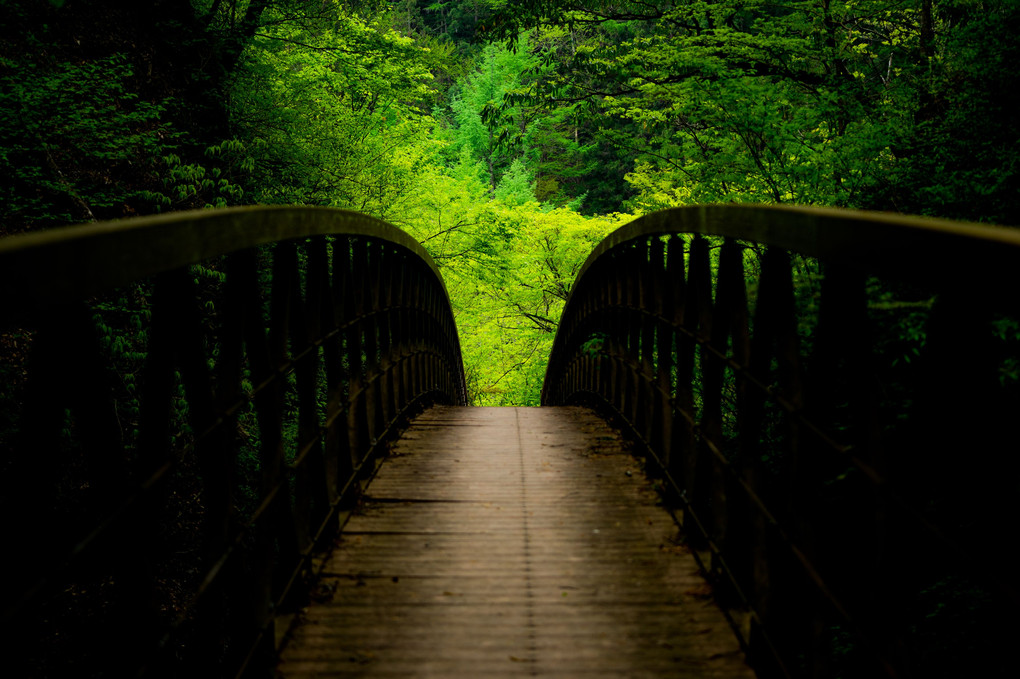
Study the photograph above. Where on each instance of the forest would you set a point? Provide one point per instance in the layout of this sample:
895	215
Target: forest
507	136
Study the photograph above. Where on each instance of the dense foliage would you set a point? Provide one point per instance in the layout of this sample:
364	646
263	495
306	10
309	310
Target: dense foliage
882	104
506	135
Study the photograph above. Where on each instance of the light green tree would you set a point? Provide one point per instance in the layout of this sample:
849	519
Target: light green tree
497	137
335	114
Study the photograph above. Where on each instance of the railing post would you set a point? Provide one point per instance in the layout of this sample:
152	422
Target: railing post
727	519
696	326
357	345
339	452
660	304
682	444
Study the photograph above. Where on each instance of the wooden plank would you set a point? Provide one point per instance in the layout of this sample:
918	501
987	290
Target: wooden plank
506	542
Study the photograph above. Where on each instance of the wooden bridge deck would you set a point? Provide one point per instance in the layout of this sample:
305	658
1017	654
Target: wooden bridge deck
499	542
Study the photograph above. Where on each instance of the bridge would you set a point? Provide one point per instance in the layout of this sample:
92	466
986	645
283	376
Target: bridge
773	442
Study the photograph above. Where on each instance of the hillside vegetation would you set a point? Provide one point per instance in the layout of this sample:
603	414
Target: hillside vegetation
508	136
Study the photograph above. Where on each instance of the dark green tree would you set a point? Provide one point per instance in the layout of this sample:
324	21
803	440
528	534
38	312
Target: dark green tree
866	104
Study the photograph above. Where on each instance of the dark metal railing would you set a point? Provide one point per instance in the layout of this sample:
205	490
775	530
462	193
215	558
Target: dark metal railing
844	455
191	402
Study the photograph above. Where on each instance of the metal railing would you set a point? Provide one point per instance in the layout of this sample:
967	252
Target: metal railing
843	456
191	402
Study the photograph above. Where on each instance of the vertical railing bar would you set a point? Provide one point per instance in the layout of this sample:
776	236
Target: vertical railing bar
730	303
696	321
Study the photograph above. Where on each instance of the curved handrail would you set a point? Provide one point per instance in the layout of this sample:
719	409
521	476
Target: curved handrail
877	239
794	373
250	397
75	262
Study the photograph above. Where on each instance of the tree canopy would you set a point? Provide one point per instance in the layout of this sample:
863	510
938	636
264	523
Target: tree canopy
508	136
817	102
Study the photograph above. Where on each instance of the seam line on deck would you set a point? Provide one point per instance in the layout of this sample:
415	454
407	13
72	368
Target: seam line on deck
529	594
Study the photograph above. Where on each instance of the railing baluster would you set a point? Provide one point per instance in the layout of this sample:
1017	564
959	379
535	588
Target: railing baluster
661	303
357	423
681	433
338	440
697	324
370	397
729	312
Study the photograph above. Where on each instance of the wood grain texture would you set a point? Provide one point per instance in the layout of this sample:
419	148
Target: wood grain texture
509	542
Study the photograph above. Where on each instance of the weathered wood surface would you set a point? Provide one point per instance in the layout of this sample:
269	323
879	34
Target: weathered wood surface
499	542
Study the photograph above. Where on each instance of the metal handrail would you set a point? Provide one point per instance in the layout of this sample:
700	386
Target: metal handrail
775	428
75	262
260	391
915	246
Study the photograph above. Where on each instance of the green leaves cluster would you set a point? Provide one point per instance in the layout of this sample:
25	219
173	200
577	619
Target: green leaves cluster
493	136
508	286
74	139
835	103
333	112
191	185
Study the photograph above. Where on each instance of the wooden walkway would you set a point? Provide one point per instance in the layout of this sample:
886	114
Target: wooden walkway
509	542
